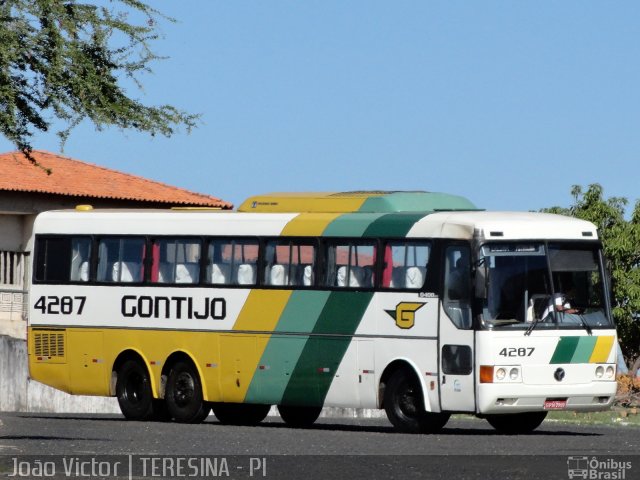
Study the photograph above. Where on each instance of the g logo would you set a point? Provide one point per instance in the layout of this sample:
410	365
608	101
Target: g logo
405	314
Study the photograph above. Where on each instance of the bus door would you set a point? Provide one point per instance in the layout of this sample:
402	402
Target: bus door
455	332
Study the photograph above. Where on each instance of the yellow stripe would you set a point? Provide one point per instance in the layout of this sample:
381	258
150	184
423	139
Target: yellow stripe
602	349
306	202
261	310
309	224
239	353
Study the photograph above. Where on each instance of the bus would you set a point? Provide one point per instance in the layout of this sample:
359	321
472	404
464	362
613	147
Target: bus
417	303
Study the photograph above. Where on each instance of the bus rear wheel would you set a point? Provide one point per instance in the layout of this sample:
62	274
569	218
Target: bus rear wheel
403	405
240	413
133	389
516	423
183	394
299	417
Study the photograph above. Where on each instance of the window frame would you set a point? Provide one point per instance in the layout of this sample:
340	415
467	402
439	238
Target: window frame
154	240
448	302
207	261
292	241
145	264
419	241
40	238
329	242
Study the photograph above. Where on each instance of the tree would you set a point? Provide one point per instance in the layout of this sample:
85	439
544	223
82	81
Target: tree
621	244
65	60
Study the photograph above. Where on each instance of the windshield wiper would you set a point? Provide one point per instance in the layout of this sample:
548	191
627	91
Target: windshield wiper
582	320
584	323
531	327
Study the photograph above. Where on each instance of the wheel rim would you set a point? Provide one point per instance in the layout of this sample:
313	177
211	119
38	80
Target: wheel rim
134	388
407	400
185	389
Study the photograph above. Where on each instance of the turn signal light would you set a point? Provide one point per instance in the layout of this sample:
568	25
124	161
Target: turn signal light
486	373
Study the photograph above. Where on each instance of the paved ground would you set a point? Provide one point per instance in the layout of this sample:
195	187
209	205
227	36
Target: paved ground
467	448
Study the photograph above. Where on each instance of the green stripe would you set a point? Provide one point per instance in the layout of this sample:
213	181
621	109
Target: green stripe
565	349
393	225
341	316
415	202
350	224
584	349
283	351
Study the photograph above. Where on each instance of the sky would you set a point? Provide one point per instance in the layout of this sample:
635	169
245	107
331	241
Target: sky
506	103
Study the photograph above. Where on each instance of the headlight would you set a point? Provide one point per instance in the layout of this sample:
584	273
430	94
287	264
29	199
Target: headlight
610	371
600	372
501	373
514	373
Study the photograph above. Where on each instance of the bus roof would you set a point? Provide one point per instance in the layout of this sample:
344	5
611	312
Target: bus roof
456	225
359	201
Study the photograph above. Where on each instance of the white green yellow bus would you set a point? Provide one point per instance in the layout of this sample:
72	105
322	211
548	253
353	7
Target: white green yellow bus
412	302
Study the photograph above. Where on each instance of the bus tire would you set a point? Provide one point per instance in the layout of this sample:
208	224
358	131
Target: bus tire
133	389
183	394
403	405
516	423
299	417
247	414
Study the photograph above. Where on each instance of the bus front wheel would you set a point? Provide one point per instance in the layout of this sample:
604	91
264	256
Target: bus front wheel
133	389
516	423
183	394
299	417
404	407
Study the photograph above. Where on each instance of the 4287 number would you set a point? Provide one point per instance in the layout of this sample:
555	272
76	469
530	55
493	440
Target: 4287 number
52	305
516	352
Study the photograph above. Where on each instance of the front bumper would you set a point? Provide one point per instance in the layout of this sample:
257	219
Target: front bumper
518	397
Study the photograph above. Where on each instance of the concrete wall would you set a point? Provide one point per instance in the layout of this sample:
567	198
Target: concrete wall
19	394
12	237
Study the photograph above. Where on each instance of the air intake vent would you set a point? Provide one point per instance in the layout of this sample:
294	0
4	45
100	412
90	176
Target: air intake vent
49	344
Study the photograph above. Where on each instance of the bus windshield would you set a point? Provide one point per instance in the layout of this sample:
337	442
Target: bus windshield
547	285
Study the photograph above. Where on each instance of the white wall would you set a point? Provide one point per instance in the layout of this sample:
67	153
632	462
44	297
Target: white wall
11	232
19	394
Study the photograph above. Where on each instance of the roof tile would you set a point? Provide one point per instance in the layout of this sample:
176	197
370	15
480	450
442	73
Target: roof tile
80	179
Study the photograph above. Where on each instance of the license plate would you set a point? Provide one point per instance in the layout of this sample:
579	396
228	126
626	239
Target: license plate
555	404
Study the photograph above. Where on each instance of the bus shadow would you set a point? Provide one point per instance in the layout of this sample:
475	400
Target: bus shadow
275	423
536	433
458	431
88	417
45	437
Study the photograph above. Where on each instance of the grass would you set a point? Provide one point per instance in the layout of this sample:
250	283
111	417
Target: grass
616	416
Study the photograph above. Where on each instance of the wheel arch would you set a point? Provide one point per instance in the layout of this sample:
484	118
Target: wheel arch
124	356
408	365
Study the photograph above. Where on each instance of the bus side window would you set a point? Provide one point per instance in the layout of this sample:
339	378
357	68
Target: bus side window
405	265
457	285
63	259
120	260
289	263
80	259
232	262
351	265
175	261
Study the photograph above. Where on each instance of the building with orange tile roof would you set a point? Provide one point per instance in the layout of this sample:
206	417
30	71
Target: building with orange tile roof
62	179
59	182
